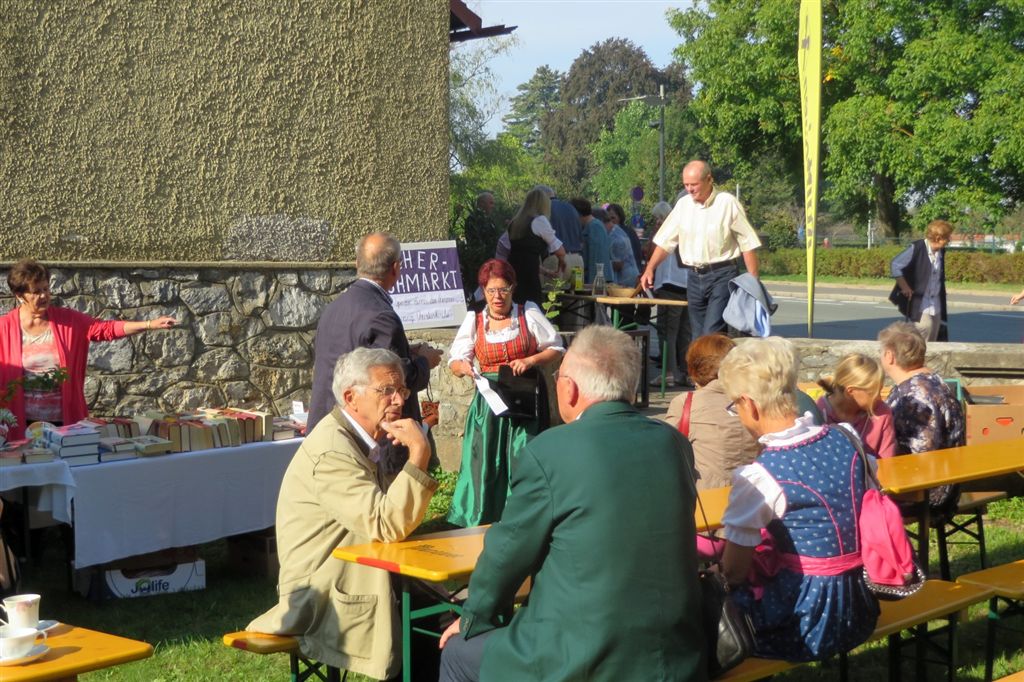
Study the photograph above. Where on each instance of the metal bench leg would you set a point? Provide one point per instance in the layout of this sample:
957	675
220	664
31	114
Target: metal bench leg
895	660
941	533
981	538
990	639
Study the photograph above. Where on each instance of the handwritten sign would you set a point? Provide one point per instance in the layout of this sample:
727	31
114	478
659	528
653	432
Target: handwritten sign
429	289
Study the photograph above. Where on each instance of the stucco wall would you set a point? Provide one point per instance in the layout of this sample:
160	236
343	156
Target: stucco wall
202	130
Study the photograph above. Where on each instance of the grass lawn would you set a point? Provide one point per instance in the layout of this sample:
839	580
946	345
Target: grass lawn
186	628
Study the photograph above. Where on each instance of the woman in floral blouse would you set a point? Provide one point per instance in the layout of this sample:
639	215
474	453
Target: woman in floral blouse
926	414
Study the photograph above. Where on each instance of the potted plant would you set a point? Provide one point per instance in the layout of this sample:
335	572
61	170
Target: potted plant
48	381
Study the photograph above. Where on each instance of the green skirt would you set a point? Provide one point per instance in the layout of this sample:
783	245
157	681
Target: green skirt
490	447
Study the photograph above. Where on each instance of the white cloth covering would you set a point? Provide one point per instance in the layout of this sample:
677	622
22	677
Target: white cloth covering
712	232
147	504
53	480
536	323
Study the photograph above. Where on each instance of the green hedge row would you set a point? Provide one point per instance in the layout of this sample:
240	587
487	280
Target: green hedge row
961	266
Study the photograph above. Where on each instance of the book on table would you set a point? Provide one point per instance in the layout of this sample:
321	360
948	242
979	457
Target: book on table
12	456
151	445
65	451
116	444
72	434
117	455
39	455
82	460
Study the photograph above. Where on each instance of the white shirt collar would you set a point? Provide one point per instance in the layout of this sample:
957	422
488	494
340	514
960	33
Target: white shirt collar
371	444
802	428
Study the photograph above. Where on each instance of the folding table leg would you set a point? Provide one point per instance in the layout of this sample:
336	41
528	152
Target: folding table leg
406	632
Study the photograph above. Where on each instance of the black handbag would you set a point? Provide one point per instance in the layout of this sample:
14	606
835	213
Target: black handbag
728	632
520	393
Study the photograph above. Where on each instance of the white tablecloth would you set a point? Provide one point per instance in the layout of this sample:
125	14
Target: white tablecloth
152	503
55	483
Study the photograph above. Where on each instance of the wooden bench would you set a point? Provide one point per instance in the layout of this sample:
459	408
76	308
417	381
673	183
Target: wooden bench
1013	677
937	599
301	667
973	505
1006	583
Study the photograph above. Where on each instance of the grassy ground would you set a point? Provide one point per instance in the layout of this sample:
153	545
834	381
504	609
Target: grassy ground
1009	289
186	628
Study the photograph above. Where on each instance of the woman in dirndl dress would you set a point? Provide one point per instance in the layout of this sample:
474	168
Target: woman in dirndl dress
503	333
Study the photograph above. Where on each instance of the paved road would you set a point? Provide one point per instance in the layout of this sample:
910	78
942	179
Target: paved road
848	312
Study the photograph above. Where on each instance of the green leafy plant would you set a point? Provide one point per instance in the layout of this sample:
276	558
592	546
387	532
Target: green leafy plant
553	306
47	381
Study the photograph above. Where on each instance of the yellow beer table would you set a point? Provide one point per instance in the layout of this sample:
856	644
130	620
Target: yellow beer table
75	650
913	473
452	555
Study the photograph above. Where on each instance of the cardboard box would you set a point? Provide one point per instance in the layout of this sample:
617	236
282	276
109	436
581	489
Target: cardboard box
254	553
164	572
991	423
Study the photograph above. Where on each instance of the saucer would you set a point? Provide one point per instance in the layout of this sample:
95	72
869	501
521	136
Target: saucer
38	651
47	625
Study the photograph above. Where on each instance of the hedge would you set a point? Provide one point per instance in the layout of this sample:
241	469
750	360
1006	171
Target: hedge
961	266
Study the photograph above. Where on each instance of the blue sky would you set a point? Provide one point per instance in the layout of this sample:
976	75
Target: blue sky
555	32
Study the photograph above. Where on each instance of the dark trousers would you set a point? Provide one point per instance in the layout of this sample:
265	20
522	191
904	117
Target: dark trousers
707	295
674	330
462	658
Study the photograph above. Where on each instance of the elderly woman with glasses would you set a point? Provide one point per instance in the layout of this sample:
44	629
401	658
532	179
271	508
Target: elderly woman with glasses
503	333
801	497
38	338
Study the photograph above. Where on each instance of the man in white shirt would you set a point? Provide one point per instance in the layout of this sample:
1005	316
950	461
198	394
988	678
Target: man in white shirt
710	229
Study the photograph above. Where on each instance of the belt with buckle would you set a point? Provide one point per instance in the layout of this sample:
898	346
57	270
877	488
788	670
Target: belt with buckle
708	267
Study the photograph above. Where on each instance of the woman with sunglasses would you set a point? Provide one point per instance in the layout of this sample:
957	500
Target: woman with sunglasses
503	333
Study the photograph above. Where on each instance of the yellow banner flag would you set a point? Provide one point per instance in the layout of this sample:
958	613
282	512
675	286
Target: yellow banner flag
809	59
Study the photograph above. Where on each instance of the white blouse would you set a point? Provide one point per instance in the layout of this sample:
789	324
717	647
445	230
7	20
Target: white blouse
536	324
756	498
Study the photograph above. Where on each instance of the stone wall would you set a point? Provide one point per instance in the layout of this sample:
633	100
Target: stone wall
246	338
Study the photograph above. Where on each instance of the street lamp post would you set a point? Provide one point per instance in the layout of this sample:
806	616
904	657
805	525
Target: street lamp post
658	101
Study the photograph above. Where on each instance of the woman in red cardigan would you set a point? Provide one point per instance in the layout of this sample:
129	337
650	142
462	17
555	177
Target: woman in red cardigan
37	338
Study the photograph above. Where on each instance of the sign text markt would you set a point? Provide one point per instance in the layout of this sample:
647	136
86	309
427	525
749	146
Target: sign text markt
429	288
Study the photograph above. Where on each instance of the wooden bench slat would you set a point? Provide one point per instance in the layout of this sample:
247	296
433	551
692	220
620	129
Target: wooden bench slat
755	669
937	598
1006	580
972	501
261	643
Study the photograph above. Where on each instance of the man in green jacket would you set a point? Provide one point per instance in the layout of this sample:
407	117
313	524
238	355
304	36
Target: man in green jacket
601	516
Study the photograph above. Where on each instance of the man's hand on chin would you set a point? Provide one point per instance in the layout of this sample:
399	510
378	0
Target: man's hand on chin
407	432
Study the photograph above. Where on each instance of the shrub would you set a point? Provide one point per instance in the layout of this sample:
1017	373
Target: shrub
961	266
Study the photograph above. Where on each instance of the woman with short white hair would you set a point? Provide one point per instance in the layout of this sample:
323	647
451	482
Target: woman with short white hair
801	497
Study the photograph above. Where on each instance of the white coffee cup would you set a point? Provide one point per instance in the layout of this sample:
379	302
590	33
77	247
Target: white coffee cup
22	610
16	642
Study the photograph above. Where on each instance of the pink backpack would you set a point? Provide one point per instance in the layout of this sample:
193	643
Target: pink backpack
889	568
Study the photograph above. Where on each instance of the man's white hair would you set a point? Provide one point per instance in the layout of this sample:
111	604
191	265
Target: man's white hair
606	364
353	369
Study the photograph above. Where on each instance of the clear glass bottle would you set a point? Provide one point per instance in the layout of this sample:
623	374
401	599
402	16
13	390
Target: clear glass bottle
600	286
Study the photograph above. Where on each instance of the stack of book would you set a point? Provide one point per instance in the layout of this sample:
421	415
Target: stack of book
114	427
147	446
77	444
115	448
23	452
287	427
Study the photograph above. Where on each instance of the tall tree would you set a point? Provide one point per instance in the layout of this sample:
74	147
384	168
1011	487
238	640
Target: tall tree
472	97
537	97
598	78
923	102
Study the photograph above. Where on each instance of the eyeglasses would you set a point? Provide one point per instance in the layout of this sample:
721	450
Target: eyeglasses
731	410
558	374
390	391
504	291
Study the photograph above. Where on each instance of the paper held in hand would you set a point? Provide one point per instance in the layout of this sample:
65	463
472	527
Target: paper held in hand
491	397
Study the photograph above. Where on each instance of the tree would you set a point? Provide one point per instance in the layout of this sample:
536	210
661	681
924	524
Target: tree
597	79
627	155
472	98
922	103
537	97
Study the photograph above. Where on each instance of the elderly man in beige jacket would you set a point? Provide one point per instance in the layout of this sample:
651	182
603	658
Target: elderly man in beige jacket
333	494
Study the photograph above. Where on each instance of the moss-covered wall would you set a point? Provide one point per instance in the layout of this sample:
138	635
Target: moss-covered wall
206	130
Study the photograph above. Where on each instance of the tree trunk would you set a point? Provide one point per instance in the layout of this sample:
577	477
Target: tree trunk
886	209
